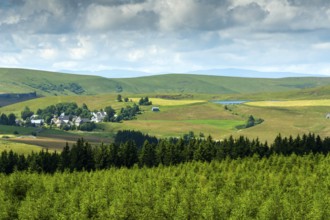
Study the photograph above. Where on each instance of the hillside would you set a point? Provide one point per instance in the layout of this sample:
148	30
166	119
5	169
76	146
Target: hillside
51	83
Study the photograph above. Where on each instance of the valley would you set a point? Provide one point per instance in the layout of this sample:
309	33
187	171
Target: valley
186	104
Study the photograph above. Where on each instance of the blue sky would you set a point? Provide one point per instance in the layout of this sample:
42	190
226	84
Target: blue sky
160	36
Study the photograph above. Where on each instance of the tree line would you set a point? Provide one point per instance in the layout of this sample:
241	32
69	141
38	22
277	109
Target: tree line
134	148
7	119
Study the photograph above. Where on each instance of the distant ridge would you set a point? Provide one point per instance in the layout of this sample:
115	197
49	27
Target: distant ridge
46	83
113	73
232	72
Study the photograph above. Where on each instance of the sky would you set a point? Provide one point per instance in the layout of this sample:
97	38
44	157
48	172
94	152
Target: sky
166	36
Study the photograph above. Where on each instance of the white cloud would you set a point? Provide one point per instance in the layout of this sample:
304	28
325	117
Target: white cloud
166	35
322	46
48	53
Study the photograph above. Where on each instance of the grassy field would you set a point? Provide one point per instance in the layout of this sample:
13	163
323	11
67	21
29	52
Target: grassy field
93	102
169	128
22	148
169	102
286	120
291	103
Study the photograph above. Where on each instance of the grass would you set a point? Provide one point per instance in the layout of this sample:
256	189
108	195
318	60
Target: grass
21	148
286	121
93	102
9	130
222	124
291	103
169	102
170	128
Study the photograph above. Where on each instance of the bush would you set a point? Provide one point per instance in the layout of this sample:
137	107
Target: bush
87	126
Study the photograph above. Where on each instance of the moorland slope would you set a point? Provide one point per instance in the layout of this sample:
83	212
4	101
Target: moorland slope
52	83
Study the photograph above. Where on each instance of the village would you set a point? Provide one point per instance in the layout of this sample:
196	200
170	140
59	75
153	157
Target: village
68	116
67	120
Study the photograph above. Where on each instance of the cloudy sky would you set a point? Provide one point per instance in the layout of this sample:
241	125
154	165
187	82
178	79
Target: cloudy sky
166	35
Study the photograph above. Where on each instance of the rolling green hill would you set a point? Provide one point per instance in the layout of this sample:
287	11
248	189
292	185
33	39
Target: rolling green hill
51	83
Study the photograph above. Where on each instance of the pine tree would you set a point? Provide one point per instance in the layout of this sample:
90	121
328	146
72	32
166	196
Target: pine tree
147	155
65	158
128	154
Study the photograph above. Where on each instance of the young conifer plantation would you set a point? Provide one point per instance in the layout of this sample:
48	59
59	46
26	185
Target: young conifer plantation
278	187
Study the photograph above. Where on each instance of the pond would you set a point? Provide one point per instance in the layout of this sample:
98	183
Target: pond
229	102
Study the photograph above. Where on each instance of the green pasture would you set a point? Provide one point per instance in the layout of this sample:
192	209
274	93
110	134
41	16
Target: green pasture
9	130
22	148
223	124
286	121
95	102
169	102
170	128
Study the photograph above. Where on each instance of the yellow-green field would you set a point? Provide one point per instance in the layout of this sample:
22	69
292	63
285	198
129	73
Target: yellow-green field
6	144
93	102
169	102
292	103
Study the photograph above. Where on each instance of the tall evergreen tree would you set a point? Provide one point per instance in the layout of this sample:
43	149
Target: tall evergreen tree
127	153
147	155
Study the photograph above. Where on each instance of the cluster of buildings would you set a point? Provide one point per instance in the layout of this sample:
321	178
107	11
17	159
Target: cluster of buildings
72	120
63	119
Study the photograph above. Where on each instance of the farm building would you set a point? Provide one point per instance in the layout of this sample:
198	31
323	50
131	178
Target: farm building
37	122
155	109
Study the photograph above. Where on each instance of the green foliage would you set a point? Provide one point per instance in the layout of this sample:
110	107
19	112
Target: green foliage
251	121
145	101
277	187
129	112
51	87
26	113
90	126
110	113
133	148
119	98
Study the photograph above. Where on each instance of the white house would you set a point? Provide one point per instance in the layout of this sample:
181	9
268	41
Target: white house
37	122
80	120
61	120
98	116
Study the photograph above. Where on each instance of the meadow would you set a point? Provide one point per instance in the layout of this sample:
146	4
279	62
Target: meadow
22	148
178	117
291	103
279	187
